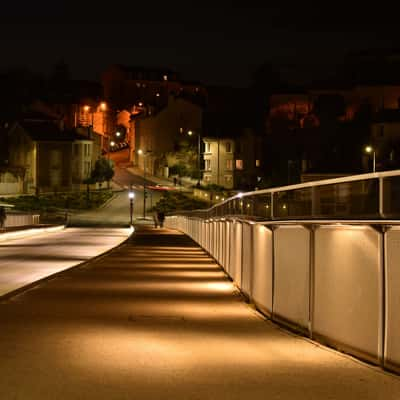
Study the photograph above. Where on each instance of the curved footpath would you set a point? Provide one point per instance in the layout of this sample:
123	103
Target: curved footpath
157	319
27	256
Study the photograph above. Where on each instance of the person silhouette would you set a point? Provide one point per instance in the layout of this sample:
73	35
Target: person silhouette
161	217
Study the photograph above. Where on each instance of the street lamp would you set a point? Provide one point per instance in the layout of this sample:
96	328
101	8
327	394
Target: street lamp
112	144
131	195
369	150
190	133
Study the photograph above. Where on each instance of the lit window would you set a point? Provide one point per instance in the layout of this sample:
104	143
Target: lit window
229	165
207	147
239	164
258	163
207	165
228	147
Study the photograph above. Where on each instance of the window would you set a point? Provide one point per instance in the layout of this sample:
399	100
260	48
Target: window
228	147
86	150
207	165
258	163
239	164
207	147
229	165
228	179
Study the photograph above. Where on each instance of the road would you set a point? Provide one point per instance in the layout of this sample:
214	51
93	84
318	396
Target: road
24	261
117	211
159	319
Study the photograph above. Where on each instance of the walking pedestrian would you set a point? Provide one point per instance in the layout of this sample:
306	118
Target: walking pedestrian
161	217
155	219
3	217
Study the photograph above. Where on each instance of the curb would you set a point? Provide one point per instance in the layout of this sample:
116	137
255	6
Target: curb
29	232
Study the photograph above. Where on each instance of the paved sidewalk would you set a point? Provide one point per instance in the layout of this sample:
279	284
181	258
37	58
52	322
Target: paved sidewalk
27	259
158	319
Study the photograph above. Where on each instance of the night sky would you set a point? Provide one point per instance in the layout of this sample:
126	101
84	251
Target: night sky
217	43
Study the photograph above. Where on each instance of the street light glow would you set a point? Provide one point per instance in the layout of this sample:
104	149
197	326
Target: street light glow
140	151
118	134
190	133
103	106
86	108
131	195
112	143
369	149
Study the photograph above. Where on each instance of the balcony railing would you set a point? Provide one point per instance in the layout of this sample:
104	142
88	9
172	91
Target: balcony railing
366	196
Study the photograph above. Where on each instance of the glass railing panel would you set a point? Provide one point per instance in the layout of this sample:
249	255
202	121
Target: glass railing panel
391	197
262	207
357	199
291	204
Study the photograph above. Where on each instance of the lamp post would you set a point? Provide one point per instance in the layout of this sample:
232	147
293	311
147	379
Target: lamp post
369	150
112	144
190	133
131	197
141	152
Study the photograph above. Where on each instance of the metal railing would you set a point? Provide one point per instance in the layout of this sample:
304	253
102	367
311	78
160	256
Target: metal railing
365	196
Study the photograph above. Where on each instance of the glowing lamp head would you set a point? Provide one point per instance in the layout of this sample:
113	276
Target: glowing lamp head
131	195
369	149
86	108
112	143
103	106
190	133
140	151
118	134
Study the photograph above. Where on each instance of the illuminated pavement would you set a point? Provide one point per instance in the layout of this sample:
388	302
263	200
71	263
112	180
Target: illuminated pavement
23	261
158	319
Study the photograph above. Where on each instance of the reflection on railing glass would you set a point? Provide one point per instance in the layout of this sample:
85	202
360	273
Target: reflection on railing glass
391	197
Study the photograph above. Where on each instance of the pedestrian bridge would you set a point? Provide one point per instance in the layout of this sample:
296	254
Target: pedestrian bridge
322	258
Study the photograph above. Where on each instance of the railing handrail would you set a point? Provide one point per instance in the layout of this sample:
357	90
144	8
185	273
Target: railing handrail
322	182
380	192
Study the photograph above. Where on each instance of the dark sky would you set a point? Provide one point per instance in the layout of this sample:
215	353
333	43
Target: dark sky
218	42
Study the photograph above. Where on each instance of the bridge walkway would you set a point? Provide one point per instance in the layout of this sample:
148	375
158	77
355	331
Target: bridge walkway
157	318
